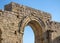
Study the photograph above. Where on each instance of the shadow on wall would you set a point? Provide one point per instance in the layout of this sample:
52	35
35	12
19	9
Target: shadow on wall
56	40
47	37
0	36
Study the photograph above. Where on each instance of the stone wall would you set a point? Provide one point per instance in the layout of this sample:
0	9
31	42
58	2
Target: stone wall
55	26
15	17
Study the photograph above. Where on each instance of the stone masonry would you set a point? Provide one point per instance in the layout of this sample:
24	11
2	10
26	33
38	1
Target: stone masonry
15	17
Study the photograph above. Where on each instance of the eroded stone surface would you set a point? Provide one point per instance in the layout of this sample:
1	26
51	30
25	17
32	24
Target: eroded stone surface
15	17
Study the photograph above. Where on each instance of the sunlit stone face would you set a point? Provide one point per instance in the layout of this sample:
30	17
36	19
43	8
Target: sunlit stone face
28	36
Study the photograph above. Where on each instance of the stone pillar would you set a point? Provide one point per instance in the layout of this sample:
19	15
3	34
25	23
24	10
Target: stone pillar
49	36
21	37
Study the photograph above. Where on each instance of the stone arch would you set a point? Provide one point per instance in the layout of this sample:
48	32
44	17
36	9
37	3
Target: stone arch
36	24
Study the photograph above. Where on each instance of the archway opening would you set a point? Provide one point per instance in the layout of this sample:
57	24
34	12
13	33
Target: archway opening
37	29
28	36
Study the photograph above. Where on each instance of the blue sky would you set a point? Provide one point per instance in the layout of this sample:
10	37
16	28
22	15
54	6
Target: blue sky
50	6
28	35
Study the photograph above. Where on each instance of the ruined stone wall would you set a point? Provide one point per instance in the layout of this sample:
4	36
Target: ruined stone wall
16	15
55	26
